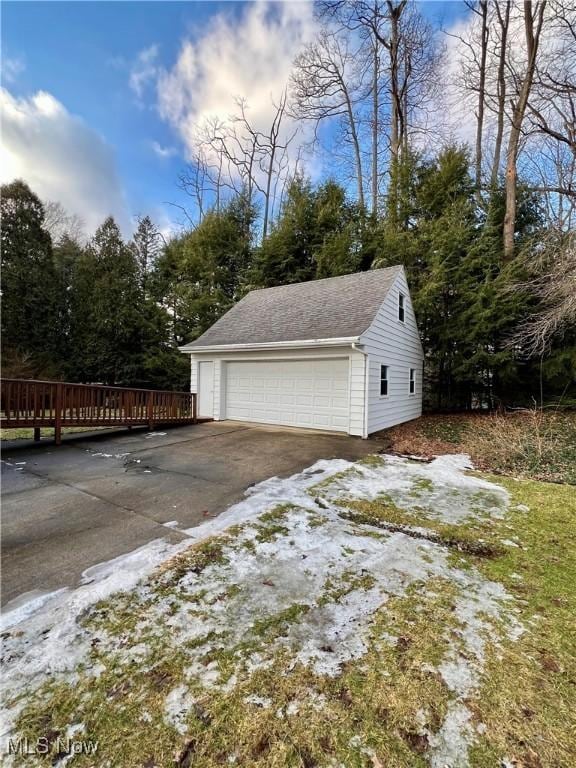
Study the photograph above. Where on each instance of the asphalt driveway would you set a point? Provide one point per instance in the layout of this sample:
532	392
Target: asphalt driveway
95	498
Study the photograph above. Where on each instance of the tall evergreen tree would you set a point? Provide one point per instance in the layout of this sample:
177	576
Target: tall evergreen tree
147	243
29	295
106	325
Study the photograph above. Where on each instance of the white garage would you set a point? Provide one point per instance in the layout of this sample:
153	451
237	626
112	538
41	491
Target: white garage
298	393
340	354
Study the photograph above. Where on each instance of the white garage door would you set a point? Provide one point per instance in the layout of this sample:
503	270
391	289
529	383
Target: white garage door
298	393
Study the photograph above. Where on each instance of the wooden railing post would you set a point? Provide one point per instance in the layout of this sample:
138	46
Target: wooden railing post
150	409
194	413
58	414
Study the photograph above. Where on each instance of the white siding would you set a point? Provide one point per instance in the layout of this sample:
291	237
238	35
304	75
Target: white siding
357	393
193	374
396	344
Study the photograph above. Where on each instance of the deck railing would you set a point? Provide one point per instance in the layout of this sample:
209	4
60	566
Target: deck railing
31	403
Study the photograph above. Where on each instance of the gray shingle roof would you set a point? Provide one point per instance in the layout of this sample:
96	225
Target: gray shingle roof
336	307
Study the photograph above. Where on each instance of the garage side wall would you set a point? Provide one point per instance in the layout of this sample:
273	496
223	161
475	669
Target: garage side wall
357	382
396	345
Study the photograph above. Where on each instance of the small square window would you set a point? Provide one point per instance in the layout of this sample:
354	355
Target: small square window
412	380
383	380
401	307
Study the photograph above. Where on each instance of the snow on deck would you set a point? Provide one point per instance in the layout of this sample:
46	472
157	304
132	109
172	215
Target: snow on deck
289	562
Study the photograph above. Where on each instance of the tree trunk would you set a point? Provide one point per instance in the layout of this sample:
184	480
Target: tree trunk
355	143
519	109
394	86
267	192
481	96
375	106
504	21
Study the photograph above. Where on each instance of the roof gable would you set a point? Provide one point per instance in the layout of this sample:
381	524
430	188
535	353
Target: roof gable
332	308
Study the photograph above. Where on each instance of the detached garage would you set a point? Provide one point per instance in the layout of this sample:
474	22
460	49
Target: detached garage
339	354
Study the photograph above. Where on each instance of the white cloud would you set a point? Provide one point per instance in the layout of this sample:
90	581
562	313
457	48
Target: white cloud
61	158
248	57
163	152
12	66
144	70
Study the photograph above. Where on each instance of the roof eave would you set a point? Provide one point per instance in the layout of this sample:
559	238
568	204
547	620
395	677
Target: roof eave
271	345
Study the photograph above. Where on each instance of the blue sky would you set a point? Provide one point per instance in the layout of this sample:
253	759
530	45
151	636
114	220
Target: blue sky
123	83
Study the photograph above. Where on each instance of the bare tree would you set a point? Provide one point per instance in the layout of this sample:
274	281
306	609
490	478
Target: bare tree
234	157
408	60
326	84
482	10
273	158
61	224
503	19
533	21
481	82
553	284
551	110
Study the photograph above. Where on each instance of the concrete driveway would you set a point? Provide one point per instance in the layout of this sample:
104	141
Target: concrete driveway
94	498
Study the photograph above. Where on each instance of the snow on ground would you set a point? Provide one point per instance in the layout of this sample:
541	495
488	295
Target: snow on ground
440	488
322	576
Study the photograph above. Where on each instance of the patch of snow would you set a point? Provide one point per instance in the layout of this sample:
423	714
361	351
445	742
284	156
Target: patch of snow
24	606
148	435
451	743
176	707
107	455
43	637
442	488
458	675
258	701
74	730
171	524
270	493
509	543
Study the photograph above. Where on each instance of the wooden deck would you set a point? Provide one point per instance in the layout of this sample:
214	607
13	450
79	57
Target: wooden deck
58	404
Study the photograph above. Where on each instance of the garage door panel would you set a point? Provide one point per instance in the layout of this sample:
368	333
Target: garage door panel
296	392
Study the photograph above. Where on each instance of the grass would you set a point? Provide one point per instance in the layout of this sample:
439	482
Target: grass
27	433
527	700
476	537
533	444
385	706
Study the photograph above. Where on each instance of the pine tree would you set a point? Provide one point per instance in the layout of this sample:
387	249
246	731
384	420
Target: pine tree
29	296
106	327
147	243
